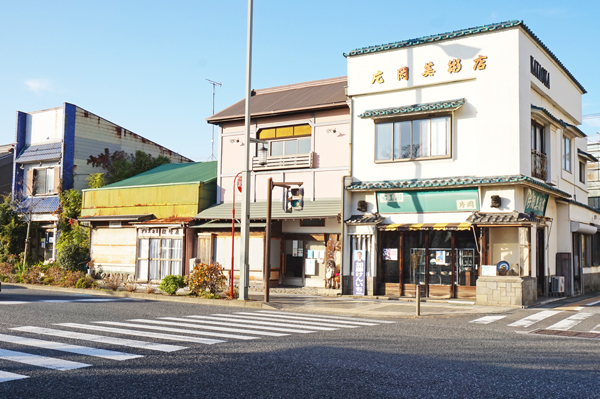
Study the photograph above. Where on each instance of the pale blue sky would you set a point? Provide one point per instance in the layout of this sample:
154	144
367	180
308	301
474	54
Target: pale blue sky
143	64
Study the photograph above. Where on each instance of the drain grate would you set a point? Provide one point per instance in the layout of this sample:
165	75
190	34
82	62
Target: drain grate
570	334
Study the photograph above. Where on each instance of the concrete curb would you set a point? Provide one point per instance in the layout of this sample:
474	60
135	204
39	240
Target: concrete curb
151	297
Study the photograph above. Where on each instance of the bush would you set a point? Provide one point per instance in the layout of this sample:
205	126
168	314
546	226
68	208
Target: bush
86	282
7	271
206	279
131	284
55	273
32	275
170	284
73	256
71	278
113	281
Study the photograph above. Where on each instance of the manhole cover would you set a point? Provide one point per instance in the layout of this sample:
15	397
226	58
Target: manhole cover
571	334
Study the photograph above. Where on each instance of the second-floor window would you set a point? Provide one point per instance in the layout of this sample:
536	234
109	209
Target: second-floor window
289	140
539	162
41	181
566	153
582	171
418	138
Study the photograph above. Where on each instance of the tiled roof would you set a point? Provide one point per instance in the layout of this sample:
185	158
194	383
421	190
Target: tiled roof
449	182
171	173
40	152
570	201
41	204
461	33
307	96
501	218
586	155
559	121
411	109
365	219
321	208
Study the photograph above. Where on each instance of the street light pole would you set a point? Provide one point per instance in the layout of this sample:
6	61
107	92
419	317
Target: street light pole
245	216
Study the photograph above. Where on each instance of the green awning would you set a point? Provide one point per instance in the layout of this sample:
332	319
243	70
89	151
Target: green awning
439	106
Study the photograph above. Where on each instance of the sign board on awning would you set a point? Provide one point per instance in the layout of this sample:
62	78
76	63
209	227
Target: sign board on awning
462	200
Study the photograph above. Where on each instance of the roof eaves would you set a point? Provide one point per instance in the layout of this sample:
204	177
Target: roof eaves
564	124
465	32
280	112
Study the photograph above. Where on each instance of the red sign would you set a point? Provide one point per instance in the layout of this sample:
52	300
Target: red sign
238	183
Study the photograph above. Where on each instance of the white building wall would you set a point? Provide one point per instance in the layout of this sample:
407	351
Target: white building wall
45	126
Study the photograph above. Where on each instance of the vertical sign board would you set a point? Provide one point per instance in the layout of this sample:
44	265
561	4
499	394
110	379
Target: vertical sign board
360	268
536	202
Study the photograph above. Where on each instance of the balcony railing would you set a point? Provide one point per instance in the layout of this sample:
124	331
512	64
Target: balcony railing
285	162
539	165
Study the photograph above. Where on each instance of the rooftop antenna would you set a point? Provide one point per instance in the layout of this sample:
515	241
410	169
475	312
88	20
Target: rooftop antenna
212	140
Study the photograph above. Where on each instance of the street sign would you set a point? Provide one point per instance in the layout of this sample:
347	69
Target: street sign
238	183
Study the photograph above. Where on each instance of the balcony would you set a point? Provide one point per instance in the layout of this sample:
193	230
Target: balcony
285	162
539	165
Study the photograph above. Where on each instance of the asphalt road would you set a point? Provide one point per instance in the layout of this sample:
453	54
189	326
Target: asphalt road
437	357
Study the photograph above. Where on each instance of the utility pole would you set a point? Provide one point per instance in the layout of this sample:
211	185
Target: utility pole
245	214
212	140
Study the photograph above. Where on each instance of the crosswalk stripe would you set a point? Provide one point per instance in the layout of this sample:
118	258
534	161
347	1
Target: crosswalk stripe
6	376
81	350
592	304
569	322
326	317
529	320
102	299
101	339
310	324
250	320
596	329
54	300
487	319
177	330
215	321
288	317
148	334
189	325
40	361
13	302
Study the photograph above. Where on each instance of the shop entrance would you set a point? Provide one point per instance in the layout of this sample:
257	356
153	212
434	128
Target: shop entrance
443	262
540	261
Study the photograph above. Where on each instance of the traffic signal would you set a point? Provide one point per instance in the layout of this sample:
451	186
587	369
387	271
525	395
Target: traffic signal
287	200
297	200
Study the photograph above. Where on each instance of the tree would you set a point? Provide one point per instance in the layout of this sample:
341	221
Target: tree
73	244
13	229
120	166
96	180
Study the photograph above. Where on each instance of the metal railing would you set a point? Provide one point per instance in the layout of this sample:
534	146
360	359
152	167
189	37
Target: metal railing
285	162
539	165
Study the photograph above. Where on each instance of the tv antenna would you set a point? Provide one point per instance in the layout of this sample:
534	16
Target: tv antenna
212	140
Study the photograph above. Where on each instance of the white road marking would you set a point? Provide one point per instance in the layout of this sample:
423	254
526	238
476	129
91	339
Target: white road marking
578	308
55	300
596	329
6	376
215	321
102	339
309	319
534	318
592	304
81	350
102	299
191	325
176	330
248	320
487	319
327	316
40	361
310	324
12	302
148	334
570	322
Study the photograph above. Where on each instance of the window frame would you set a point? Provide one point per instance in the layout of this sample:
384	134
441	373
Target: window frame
286	139
412	119
48	172
582	171
567	156
159	259
535	145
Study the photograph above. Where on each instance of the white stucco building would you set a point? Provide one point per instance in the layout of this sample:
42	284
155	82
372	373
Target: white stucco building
466	154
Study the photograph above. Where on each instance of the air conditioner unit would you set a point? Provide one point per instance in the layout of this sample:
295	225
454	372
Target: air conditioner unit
557	285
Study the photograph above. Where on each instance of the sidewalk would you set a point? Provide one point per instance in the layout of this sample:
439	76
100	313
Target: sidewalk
368	307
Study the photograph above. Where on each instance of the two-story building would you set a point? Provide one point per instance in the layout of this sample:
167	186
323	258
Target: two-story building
6	168
306	128
468	171
51	154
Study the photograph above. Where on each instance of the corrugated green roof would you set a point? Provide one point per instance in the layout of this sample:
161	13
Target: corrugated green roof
321	208
450	105
171	173
460	33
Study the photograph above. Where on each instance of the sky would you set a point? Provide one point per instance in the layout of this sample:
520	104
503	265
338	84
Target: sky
143	64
